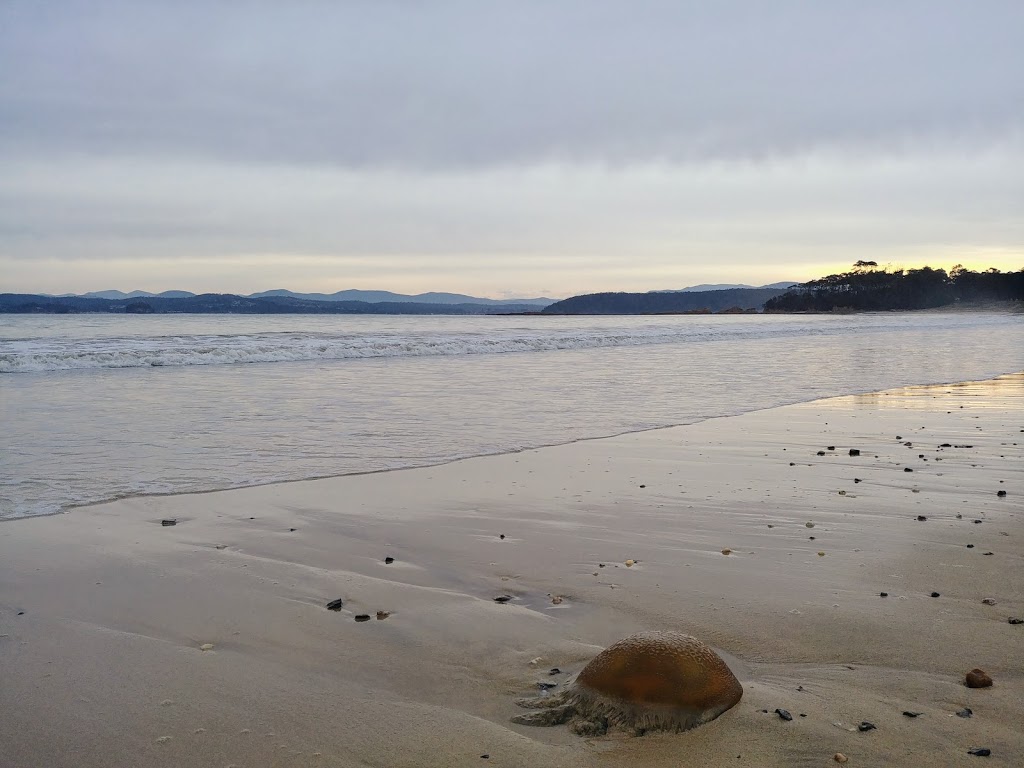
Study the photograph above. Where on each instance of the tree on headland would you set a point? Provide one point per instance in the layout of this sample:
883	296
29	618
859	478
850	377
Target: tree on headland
866	288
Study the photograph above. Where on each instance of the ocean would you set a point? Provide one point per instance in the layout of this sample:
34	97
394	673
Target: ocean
98	407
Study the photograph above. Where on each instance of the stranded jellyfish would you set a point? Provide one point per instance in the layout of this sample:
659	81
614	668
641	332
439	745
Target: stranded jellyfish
664	681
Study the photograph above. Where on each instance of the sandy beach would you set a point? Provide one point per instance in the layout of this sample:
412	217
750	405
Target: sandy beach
207	643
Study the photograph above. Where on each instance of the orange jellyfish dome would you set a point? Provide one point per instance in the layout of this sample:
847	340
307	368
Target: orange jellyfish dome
658	680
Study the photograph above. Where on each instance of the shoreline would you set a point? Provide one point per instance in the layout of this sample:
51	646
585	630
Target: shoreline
70	508
106	664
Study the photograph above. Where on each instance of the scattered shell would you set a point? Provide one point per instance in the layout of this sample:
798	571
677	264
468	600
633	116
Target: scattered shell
557	600
163	739
381	615
629	563
989	601
977	678
206	647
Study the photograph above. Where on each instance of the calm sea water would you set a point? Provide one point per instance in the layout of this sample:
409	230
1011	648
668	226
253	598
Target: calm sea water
95	407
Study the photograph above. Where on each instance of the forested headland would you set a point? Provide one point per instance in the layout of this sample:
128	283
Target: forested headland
869	288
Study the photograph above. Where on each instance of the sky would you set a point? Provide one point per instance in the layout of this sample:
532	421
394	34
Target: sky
504	149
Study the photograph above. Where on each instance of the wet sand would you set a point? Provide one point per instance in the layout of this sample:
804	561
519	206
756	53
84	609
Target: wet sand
106	666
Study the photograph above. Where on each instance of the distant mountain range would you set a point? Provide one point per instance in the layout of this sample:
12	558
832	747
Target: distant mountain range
727	287
729	300
370	297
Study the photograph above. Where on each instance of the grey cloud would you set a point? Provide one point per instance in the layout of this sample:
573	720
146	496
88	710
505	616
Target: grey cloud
459	84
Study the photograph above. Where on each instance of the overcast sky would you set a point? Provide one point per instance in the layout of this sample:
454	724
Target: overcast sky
503	148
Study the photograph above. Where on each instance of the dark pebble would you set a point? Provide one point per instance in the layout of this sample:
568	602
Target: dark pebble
362	617
292	530
485	757
988	553
501	535
831	448
811	537
970	546
388	560
976	522
792	463
503	598
935	594
821	453
965	712
883	594
168	522
945	445
921	517
335	605
854	452
545	686
856	479
866	726
978	678
784	714
1000	493
979	752
1014	620
21	613
908	713
554	671
907	469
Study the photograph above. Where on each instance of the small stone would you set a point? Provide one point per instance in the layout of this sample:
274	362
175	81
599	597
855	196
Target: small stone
335	605
166	523
726	551
362	617
856	480
976	522
987	553
842	493
554	671
643	486
792	463
1000	493
557	600
388	560
546	686
808	525
485	757
381	615
854	452
503	598
866	726
935	594
883	594
907	469
979	752
970	546
629	563
821	453
1014	620
501	535
206	647
989	601
922	518
821	554
784	714
908	713
839	757
965	712
830	448
978	678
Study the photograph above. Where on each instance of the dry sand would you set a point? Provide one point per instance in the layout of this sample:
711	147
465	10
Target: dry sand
105	667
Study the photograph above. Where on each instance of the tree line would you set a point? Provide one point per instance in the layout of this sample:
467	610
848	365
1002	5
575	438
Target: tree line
868	288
